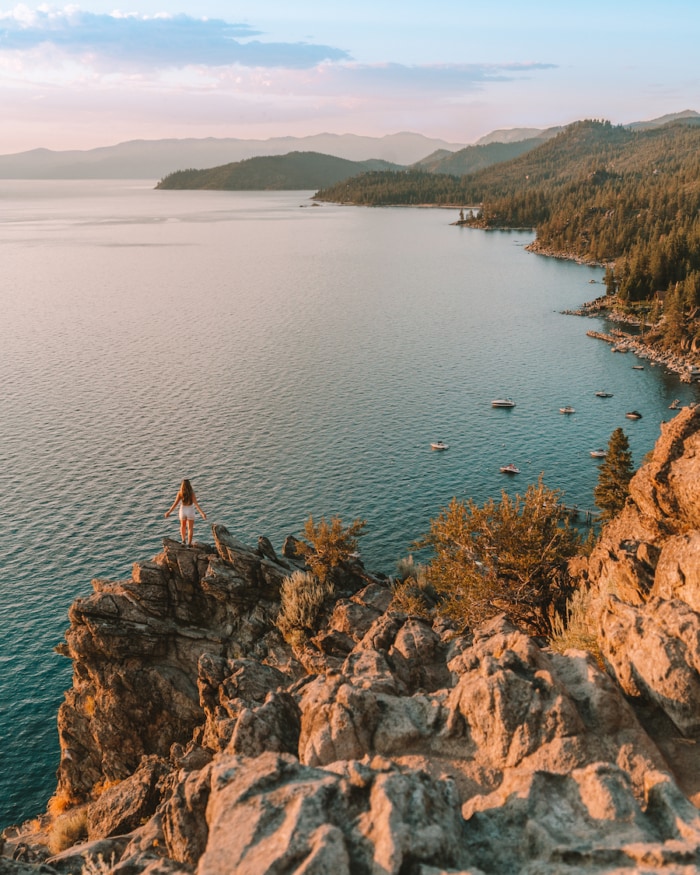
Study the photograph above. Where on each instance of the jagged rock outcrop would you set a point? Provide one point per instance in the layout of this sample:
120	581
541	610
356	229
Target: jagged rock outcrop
647	567
198	740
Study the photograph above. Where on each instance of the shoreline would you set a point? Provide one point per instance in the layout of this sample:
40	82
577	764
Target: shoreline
682	364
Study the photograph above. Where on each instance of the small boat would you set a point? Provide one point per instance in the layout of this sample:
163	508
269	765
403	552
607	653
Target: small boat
675	404
637	367
502	402
567	409
604	394
633	414
510	469
439	445
599	453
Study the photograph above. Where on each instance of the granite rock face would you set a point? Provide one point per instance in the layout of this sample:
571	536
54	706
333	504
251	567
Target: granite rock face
647	565
200	741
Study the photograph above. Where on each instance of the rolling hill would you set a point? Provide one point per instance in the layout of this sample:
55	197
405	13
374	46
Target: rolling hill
473	158
296	171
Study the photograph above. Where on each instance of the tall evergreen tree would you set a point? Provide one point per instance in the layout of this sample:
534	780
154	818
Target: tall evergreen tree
616	472
610	282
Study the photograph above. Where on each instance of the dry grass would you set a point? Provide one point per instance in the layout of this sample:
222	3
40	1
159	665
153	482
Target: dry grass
412	592
67	829
302	596
97	865
580	631
408	567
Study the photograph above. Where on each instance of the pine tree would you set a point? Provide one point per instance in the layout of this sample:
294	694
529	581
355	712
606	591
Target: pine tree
615	474
610	281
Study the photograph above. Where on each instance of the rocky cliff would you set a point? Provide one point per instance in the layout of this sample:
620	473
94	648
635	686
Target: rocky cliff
196	739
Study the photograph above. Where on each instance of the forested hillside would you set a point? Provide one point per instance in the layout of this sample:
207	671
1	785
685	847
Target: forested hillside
294	171
473	158
605	194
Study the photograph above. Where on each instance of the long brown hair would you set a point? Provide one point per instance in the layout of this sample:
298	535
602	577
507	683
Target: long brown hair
186	492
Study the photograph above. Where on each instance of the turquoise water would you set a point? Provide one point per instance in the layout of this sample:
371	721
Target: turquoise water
290	360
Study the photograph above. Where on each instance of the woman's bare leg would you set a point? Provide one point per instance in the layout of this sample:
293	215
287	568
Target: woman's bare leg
183	530
190	528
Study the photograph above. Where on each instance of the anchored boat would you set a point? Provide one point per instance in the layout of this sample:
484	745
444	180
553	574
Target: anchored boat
439	445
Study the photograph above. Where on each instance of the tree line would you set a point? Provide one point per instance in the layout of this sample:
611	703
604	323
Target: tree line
597	192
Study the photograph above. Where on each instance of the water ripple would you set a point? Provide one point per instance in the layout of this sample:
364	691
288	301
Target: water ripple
290	362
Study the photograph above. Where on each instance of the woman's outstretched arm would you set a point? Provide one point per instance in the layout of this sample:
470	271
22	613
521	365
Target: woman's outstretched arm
173	505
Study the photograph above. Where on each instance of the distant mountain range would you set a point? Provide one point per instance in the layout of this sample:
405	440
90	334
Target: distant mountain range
295	171
155	159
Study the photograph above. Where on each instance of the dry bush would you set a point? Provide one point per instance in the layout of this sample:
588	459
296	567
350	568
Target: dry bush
302	598
59	803
503	557
330	544
67	829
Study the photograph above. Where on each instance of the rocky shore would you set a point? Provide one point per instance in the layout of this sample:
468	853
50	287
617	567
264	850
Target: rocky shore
196	739
686	365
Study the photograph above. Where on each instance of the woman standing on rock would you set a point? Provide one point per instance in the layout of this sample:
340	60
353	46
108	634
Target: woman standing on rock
187	501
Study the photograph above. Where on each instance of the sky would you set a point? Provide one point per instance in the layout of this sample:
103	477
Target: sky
94	73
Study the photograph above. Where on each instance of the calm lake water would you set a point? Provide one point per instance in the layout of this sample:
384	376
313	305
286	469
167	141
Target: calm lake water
290	360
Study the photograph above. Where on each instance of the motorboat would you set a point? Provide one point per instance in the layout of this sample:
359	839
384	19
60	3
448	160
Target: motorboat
637	367
502	402
567	409
633	414
510	469
604	394
439	445
599	453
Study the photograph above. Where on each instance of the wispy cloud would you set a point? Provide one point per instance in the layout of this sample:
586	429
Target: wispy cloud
439	78
124	42
63	69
